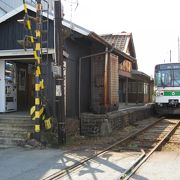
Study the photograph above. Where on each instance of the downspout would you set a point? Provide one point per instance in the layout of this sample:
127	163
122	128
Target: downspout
79	87
106	78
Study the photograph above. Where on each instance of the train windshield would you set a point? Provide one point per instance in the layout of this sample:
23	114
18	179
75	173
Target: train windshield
167	77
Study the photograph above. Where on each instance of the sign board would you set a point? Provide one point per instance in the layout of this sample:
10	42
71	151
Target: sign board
57	72
58	90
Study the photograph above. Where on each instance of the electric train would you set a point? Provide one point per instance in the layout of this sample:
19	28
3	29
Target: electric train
167	88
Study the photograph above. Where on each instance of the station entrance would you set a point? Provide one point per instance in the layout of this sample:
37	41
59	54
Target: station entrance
25	86
16	85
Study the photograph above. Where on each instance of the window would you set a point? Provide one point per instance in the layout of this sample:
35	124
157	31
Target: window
146	88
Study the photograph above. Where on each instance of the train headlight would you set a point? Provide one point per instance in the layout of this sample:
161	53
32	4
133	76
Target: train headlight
159	93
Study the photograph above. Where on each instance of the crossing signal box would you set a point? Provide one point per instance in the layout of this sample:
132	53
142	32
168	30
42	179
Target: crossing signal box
25	43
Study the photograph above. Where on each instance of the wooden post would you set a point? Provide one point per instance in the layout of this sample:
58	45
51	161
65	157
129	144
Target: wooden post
126	102
60	110
137	92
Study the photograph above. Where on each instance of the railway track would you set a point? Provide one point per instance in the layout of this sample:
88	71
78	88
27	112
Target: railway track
147	140
151	140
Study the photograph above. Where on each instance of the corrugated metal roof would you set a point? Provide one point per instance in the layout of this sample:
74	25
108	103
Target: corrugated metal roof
2	12
9	5
66	23
18	10
72	26
4	5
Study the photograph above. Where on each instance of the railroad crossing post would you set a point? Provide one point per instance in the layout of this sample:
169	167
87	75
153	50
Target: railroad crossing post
38	119
60	110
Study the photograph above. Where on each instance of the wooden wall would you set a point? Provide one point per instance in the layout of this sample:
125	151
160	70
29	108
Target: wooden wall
113	80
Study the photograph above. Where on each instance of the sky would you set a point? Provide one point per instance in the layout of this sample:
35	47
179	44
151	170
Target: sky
155	25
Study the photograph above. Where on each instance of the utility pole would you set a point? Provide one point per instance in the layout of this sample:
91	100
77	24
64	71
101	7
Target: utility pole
178	51
170	55
60	110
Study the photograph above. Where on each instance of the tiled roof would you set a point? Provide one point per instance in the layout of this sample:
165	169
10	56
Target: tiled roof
117	40
120	41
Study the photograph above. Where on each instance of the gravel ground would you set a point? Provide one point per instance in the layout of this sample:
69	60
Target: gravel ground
101	142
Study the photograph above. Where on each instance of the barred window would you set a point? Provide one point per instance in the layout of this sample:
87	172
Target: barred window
146	88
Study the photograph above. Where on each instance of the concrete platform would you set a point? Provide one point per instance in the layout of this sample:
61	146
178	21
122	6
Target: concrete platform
161	166
123	106
103	124
28	164
18	163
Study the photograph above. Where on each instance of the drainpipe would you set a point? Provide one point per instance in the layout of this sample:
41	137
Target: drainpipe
106	78
79	87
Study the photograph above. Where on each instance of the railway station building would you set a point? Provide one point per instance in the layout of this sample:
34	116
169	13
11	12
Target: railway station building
100	71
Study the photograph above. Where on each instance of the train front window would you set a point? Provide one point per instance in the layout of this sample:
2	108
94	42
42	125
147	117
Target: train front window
176	78
164	78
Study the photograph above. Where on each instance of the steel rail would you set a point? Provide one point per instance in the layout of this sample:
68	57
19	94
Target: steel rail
134	164
166	137
78	164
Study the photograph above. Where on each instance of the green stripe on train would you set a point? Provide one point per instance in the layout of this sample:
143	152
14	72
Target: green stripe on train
171	93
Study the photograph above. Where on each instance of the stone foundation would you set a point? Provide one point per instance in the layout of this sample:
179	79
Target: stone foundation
104	124
72	126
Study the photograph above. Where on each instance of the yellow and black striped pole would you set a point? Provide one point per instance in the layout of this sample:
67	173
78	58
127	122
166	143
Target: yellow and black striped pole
38	112
36	42
38	82
28	23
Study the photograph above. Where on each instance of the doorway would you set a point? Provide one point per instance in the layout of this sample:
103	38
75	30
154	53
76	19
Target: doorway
25	86
122	90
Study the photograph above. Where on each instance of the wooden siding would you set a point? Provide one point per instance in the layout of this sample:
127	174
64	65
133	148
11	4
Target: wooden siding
11	31
76	50
49	82
97	81
99	105
113	80
138	92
